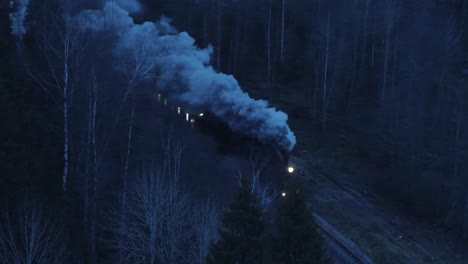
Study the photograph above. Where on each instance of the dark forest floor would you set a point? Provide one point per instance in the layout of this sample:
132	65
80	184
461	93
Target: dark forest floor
341	195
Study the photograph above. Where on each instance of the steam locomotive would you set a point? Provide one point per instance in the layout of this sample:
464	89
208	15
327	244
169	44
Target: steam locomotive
273	160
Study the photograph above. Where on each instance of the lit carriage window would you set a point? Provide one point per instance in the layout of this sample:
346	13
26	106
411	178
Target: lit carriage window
178	110
201	114
187	116
159	97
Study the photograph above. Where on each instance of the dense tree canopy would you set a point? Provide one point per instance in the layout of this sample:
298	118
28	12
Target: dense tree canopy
383	83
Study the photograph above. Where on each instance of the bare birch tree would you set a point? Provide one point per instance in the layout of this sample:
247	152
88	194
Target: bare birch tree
264	191
61	51
155	226
27	236
390	19
269	60
205	230
219	32
91	167
283	7
142	55
152	224
325	77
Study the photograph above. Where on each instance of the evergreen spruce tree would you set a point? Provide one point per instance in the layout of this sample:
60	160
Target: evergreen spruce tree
296	240
241	232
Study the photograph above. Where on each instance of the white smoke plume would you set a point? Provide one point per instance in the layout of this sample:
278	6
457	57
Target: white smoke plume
17	18
183	71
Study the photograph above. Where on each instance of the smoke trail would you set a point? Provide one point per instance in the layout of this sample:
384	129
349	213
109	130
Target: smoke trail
17	18
183	71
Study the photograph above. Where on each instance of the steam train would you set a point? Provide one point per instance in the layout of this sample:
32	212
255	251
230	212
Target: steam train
273	160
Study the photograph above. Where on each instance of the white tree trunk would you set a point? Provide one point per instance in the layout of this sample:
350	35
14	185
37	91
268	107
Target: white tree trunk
65	121
219	33
354	73
235	40
389	24
88	153
325	73
269	49
282	31
205	29
317	65
125	174
387	49
373	47
70	40
92	233
129	140
365	30
66	50
393	77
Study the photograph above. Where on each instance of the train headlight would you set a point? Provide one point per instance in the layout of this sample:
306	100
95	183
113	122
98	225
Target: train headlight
290	169
283	194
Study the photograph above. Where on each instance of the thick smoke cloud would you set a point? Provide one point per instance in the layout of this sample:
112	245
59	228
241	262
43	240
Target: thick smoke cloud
184	74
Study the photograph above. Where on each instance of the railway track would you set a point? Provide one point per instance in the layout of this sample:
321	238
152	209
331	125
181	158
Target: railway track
341	249
321	179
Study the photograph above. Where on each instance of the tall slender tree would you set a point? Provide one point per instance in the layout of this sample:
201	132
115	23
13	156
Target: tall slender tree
283	7
60	50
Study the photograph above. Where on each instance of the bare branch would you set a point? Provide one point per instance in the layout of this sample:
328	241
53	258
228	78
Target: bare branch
28	236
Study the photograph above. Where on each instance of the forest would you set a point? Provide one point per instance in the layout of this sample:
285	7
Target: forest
96	167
